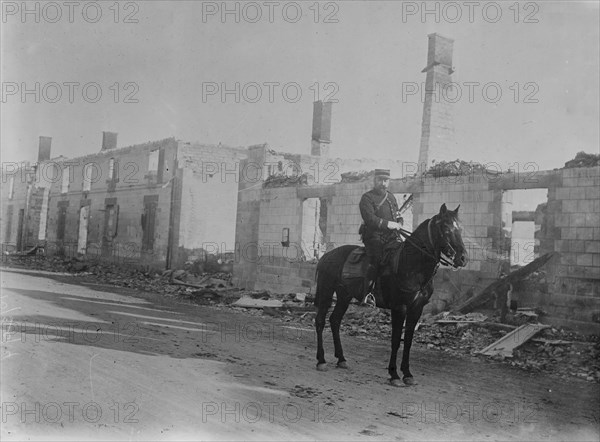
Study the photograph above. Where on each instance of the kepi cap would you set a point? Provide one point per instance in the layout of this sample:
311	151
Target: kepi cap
382	173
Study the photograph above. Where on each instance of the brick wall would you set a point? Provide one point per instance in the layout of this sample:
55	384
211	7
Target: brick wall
574	231
570	226
289	269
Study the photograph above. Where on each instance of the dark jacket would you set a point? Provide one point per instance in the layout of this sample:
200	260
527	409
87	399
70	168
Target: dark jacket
376	214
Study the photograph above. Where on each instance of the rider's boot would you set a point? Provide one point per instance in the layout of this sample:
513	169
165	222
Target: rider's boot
371	277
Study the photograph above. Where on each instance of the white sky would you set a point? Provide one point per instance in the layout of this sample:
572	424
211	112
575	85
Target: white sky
368	54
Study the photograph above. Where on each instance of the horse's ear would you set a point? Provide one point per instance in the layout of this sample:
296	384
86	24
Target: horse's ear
443	209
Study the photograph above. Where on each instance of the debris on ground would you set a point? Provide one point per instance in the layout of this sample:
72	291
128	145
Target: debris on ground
560	352
583	159
249	302
448	318
206	288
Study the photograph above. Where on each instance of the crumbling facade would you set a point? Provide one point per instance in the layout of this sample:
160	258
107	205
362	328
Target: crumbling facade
158	204
166	202
282	230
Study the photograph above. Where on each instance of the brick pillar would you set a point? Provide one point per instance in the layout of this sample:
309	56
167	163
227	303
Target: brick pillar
44	149
437	128
109	140
321	128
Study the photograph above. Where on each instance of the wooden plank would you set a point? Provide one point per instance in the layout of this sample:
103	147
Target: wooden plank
506	344
248	302
487	292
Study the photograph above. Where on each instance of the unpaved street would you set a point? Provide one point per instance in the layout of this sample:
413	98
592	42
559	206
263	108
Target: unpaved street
91	362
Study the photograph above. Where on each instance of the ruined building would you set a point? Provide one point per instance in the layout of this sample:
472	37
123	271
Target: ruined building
165	202
281	231
158	203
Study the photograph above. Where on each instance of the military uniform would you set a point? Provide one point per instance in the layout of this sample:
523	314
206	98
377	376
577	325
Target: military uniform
377	207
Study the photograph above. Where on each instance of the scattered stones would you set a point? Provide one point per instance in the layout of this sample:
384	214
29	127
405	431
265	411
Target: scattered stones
560	352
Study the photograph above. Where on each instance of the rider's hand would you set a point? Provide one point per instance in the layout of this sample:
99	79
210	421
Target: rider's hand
393	225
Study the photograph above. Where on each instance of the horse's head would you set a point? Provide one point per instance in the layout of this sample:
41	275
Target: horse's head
451	242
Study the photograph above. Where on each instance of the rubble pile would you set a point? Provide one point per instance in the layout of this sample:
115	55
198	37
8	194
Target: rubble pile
560	352
206	287
457	168
583	159
563	353
351	177
282	180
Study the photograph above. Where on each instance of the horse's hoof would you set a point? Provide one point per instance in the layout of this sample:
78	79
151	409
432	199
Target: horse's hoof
396	383
342	364
409	380
322	367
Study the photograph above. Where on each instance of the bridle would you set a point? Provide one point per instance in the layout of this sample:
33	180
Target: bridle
449	252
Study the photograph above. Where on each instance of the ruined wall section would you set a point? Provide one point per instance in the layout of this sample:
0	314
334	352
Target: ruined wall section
246	238
278	266
480	215
573	224
137	182
288	269
13	202
571	227
264	162
209	194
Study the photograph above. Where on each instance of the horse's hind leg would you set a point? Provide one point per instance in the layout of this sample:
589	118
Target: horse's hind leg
320	325
323	302
335	320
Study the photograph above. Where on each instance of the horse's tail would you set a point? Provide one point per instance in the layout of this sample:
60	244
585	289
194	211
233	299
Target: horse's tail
315	301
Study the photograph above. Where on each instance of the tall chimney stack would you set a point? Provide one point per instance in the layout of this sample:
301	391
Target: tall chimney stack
109	140
321	128
44	149
437	128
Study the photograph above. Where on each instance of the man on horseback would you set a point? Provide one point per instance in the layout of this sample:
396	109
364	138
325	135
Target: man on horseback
381	218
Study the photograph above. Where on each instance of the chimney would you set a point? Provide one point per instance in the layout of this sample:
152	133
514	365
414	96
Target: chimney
437	128
44	149
109	140
321	128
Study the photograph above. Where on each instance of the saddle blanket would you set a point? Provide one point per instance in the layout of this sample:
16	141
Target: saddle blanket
356	264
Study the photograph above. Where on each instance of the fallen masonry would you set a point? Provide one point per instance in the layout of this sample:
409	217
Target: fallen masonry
560	352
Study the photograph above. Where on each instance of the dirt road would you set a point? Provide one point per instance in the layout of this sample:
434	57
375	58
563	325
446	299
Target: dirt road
91	362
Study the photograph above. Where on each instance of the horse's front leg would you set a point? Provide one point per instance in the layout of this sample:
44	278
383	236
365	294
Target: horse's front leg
412	317
397	322
335	320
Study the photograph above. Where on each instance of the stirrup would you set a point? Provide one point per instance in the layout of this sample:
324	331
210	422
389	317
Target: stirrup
370	300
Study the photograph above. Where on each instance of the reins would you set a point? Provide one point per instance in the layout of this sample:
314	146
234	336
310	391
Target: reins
439	260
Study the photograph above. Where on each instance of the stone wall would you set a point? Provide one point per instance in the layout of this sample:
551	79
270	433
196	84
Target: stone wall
570	227
133	184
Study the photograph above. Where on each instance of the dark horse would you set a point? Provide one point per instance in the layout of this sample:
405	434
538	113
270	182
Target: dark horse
406	285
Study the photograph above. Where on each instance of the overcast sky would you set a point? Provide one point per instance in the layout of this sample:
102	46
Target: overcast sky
364	53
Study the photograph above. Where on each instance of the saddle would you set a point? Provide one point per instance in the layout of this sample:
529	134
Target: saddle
356	264
355	270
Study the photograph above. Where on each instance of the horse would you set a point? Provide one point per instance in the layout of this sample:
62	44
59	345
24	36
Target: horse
406	285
